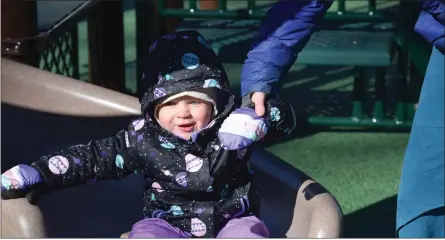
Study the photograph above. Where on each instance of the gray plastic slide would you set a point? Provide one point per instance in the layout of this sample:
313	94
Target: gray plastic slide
44	112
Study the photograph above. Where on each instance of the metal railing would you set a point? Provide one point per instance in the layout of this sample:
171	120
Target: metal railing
254	12
56	48
402	113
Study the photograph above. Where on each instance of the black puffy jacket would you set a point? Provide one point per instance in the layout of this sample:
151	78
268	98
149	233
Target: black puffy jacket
193	184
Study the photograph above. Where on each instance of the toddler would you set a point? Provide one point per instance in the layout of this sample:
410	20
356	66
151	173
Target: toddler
191	145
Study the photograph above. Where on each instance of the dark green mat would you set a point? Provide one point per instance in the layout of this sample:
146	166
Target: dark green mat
362	170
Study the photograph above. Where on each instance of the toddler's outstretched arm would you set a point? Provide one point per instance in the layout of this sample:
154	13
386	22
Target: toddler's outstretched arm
111	158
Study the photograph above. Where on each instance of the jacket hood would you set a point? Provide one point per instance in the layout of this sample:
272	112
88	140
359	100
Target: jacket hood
184	61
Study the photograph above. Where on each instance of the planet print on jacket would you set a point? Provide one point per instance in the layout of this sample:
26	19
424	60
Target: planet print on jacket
193	163
58	165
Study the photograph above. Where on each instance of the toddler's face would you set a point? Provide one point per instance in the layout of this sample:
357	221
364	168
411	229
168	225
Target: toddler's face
185	115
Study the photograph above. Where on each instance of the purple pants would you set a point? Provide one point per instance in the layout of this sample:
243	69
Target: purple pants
247	227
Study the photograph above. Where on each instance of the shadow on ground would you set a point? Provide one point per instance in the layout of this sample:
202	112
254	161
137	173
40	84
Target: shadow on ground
375	221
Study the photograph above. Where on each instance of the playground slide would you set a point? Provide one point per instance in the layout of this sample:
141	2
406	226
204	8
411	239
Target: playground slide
43	112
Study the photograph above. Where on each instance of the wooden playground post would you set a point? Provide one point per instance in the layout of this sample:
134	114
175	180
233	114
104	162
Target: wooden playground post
19	20
106	45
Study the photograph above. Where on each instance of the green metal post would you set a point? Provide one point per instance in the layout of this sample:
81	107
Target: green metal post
222	5
358	94
400	112
371	7
192	4
380	95
250	4
341	7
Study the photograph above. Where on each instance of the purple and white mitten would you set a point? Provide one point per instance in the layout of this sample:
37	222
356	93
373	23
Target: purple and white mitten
17	181
242	128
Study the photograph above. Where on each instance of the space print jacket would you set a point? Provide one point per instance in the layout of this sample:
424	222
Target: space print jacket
195	184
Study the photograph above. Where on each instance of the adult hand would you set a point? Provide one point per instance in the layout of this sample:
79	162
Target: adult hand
259	100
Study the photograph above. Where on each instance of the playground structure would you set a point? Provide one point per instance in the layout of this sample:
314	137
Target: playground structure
305	209
55	49
369	40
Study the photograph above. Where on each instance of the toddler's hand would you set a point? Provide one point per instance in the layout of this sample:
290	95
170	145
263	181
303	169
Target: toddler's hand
17	181
241	128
